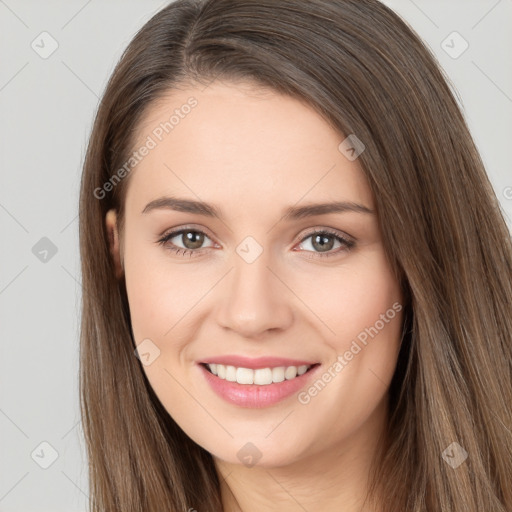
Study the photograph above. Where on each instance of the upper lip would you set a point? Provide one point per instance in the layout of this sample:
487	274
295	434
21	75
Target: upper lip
257	362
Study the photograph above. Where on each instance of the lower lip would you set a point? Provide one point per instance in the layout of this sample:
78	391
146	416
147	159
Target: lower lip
254	395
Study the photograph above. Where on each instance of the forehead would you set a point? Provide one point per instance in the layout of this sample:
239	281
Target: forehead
237	140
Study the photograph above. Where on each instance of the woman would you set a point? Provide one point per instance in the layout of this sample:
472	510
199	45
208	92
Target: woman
297	274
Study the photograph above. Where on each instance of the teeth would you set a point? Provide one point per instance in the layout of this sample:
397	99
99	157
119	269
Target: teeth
261	376
290	372
278	374
221	371
302	369
244	376
231	373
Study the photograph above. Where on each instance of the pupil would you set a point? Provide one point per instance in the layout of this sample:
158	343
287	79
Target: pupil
322	242
193	240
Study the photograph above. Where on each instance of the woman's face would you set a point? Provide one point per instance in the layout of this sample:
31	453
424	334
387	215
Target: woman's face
264	284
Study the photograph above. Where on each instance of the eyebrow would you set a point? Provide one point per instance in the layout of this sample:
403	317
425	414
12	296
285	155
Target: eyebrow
291	213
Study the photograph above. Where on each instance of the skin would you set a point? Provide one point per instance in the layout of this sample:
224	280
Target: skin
252	153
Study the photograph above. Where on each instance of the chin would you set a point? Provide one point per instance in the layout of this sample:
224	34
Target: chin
262	453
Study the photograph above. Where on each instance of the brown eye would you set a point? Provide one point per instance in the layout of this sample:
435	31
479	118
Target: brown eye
191	240
323	241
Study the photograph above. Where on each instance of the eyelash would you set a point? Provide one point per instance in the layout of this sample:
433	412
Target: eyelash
347	243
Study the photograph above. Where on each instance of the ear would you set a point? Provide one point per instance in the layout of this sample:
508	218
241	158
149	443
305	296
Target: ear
114	245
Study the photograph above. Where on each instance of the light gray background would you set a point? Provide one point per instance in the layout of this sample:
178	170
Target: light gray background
46	109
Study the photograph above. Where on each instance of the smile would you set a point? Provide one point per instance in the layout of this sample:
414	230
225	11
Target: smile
260	376
257	387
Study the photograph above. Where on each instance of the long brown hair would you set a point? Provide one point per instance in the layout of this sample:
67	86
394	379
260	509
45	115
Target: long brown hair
367	73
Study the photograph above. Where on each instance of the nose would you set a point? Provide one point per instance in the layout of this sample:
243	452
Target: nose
254	300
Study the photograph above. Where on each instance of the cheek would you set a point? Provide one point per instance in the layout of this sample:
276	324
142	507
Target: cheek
158	301
155	294
360	308
363	306
351	301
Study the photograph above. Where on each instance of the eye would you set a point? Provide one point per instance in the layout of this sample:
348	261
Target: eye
323	241
192	240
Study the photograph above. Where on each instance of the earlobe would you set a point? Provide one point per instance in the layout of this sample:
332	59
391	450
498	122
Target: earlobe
113	239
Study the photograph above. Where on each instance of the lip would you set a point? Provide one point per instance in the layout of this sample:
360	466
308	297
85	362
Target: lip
255	363
253	395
